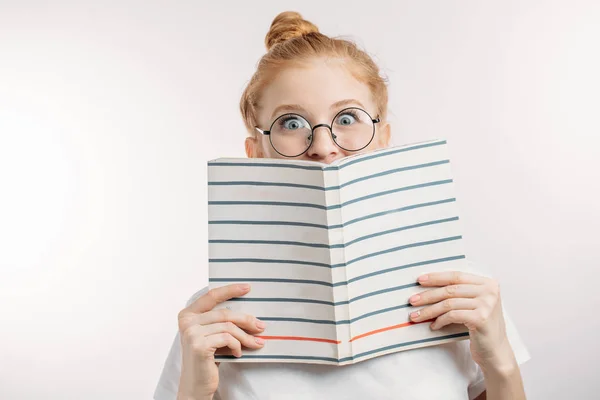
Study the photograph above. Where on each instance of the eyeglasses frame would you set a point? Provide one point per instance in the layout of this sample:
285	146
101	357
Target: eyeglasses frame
333	136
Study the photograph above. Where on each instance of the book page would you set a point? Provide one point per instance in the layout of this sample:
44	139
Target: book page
400	221
268	227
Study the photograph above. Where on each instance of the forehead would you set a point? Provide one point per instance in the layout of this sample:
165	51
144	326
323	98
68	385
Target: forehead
314	86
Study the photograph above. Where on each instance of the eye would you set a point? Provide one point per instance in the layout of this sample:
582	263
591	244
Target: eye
293	123
346	119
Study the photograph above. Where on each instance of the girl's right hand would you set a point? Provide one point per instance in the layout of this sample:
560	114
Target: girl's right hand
203	331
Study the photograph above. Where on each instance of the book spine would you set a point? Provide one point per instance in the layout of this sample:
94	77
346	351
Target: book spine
331	179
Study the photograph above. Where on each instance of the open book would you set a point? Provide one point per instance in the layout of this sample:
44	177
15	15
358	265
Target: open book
333	252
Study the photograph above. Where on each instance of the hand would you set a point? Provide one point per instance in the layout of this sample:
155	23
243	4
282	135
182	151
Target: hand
471	300
203	331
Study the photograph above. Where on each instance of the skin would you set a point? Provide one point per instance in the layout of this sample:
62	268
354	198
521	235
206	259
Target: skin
450	297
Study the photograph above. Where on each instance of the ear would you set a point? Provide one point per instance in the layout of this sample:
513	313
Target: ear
253	147
384	135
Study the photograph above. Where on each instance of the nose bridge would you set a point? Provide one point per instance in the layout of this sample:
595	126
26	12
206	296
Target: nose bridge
322	142
326	132
325	136
322	126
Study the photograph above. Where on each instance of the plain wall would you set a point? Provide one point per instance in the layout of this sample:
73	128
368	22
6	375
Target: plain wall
109	112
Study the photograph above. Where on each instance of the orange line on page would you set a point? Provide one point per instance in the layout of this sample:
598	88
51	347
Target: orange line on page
389	328
307	339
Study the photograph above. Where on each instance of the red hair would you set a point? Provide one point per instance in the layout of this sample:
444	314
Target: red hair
293	40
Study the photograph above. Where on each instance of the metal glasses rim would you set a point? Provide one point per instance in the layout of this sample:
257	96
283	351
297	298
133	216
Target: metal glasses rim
375	120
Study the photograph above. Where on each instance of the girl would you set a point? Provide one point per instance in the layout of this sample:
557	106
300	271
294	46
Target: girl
305	89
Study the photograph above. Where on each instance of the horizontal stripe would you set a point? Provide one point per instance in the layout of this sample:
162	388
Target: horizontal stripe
304	320
266	164
391	191
321	207
400	209
300	338
331	322
400	229
280	357
382	311
341	283
274	242
322	167
411	265
324	302
341	360
274	280
398	345
286	300
273	223
382	291
261	183
267	261
395	249
323	265
366	334
333	246
388	328
389	172
327	188
387	153
265	203
320	226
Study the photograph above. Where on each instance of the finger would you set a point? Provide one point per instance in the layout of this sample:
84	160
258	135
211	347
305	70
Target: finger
446	278
223	351
224	340
216	296
229	327
443	307
447	292
244	321
464	317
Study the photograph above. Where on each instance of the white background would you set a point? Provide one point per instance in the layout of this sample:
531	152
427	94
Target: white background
109	112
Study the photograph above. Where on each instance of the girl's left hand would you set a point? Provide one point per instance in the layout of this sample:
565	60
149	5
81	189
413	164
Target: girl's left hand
471	300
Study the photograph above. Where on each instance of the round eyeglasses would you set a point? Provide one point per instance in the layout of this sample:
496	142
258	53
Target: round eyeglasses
291	135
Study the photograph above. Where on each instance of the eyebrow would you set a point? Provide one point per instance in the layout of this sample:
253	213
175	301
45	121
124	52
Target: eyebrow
287	108
346	102
297	107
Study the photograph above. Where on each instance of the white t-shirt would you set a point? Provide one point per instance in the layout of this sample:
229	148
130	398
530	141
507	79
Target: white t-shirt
444	372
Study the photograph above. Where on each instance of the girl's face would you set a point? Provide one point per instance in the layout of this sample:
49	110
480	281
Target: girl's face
317	93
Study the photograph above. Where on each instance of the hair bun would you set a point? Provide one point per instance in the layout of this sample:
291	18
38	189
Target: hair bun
288	25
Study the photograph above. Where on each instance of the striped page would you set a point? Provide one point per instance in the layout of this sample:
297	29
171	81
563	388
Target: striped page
333	251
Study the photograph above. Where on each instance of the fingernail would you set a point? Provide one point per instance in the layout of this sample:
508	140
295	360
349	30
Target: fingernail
415	314
260	324
245	286
259	341
414	299
423	278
